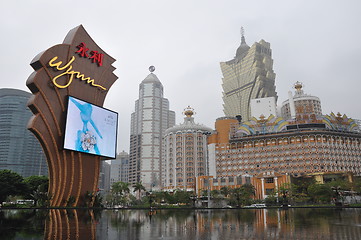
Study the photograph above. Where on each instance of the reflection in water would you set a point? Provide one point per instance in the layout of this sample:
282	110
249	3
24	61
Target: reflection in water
181	224
231	224
70	224
22	224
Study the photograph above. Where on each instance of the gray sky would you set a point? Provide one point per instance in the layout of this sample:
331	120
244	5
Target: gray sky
314	42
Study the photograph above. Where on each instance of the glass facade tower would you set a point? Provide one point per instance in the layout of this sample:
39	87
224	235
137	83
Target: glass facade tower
20	151
148	123
248	76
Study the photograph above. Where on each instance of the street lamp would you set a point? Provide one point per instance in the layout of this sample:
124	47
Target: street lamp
207	170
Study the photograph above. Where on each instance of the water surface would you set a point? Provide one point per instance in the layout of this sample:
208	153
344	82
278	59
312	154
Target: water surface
294	223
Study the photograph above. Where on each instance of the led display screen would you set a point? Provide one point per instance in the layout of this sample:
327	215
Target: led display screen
90	129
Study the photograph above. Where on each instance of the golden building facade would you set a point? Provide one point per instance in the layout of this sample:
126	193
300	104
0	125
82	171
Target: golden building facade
248	76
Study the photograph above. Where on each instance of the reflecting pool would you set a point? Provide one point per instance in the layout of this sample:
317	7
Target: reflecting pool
293	223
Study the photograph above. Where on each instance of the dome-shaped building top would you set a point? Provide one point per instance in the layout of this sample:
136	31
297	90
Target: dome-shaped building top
243	48
188	125
301	106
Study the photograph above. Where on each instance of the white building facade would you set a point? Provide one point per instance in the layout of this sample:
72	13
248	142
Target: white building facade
148	123
186	154
300	105
263	106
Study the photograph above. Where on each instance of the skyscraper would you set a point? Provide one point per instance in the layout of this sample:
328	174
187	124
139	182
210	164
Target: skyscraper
120	168
247	76
148	123
20	151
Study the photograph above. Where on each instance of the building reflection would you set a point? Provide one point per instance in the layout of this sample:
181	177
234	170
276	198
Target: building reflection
233	224
293	223
70	224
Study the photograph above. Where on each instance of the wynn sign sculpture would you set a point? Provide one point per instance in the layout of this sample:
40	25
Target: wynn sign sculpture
69	86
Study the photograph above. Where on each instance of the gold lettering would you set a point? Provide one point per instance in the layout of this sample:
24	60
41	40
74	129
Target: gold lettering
71	73
57	65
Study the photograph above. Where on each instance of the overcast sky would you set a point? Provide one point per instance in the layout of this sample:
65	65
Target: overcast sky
314	42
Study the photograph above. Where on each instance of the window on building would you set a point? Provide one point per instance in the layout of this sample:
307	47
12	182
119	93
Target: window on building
239	180
269	180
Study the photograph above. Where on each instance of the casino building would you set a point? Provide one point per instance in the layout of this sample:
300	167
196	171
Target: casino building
185	148
249	75
303	142
274	144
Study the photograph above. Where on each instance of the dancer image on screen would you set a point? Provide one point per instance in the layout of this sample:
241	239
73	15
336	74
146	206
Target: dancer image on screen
86	140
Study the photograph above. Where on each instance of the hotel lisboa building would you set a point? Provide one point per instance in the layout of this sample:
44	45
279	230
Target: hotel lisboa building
271	149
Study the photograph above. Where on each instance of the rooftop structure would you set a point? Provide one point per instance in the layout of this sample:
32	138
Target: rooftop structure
301	106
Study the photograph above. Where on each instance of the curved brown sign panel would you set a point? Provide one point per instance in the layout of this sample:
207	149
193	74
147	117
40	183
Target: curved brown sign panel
80	68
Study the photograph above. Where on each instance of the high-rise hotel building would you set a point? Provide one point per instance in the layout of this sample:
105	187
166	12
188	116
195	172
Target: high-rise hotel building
20	151
186	154
148	123
248	76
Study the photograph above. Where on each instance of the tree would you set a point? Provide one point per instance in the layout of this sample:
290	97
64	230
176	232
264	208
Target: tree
216	193
236	195
302	184
356	185
41	198
11	183
182	196
341	184
320	193
138	186
120	192
249	190
225	191
121	187
36	183
243	195
286	193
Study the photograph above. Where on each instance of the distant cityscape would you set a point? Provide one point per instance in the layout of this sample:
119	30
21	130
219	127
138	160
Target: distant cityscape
257	141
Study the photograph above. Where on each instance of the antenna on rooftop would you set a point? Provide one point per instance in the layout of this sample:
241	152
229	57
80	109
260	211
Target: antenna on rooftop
242	31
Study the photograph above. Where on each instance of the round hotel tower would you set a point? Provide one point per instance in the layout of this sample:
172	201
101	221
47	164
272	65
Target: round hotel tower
301	106
185	153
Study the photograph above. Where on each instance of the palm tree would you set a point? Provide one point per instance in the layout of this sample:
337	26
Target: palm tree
124	186
243	194
120	191
138	186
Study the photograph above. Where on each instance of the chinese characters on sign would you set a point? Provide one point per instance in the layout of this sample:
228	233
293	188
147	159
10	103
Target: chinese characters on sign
95	56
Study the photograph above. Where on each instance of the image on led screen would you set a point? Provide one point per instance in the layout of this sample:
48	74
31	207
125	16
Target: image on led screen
90	129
